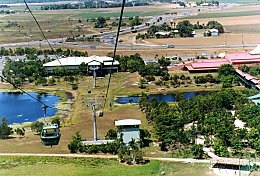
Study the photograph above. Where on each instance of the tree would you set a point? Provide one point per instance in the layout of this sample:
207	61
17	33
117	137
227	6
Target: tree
244	68
144	135
220	149
5	130
56	120
163	62
227	81
215	25
152	69
226	70
197	151
101	22
75	145
133	147
111	134
37	126
136	21
185	28
20	131
227	73
152	30
237	146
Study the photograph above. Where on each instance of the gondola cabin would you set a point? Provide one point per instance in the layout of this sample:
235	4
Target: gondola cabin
50	135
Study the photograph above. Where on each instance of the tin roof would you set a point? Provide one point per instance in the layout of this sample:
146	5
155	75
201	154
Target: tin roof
126	122
75	61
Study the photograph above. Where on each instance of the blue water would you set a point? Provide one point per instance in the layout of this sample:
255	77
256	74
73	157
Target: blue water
159	97
19	108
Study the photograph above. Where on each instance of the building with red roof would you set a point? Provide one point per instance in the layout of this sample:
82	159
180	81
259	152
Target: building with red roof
236	59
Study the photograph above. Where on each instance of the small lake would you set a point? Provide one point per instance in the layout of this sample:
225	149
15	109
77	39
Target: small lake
159	97
19	107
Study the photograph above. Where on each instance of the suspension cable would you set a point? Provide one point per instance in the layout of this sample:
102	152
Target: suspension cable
17	87
114	54
42	31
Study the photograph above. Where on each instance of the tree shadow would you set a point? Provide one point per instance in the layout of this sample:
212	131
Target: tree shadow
9	137
147	142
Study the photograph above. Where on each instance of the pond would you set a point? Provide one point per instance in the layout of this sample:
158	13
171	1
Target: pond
159	97
19	107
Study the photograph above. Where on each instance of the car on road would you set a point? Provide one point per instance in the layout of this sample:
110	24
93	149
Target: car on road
170	46
172	57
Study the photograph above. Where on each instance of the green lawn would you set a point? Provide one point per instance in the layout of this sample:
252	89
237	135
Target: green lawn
226	14
97	14
99	167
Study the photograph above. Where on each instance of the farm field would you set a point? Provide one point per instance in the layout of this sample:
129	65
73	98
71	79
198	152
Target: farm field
241	26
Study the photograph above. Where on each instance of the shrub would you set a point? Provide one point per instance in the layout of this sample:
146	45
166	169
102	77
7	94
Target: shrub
74	87
76	145
5	130
37	126
56	120
111	134
197	151
20	132
92	149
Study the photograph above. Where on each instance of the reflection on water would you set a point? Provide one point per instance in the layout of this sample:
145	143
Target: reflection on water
19	108
159	97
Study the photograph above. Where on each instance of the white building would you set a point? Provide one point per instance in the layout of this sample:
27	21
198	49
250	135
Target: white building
102	62
129	128
214	32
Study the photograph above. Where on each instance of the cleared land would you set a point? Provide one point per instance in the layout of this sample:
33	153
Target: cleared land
240	22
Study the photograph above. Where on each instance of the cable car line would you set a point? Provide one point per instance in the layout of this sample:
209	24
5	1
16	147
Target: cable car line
26	92
114	54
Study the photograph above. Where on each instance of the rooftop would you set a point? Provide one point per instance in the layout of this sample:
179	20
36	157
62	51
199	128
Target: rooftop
52	126
75	61
126	122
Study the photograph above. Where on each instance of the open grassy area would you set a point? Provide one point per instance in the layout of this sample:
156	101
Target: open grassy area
80	117
81	166
225	14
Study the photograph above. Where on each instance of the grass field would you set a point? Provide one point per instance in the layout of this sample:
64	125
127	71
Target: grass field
99	167
225	14
116	14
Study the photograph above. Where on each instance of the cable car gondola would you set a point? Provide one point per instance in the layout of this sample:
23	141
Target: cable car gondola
50	135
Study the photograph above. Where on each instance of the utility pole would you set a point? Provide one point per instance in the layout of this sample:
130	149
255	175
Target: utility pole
94	68
44	107
95	121
242	40
95	104
225	39
239	165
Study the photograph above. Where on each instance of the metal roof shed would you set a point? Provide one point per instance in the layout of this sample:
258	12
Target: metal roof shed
127	122
129	128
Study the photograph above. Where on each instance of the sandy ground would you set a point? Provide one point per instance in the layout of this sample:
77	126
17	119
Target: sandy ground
239	8
230	21
202	41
